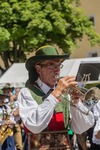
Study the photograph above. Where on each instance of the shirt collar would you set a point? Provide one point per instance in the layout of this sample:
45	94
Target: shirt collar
45	88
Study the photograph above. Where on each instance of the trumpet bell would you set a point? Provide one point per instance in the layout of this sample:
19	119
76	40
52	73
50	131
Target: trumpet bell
92	94
87	95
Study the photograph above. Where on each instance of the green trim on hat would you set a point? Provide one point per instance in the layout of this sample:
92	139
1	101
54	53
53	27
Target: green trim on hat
44	53
7	86
47	50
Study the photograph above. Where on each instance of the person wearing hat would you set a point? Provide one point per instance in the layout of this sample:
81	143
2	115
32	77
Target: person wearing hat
11	92
5	110
44	102
7	89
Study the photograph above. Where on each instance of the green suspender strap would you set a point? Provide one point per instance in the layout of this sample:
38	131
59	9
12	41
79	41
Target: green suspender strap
62	106
66	113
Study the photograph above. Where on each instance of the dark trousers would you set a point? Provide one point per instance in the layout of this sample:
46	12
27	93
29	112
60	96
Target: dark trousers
95	147
9	144
90	135
25	142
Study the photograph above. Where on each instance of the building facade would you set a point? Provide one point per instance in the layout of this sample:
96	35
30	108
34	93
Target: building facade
92	10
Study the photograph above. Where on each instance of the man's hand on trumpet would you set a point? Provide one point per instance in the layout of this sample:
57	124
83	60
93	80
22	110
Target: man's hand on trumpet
63	86
75	95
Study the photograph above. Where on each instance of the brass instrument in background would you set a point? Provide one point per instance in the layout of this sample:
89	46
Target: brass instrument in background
5	131
6	127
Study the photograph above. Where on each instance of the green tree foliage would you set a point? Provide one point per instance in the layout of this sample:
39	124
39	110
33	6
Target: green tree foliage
28	24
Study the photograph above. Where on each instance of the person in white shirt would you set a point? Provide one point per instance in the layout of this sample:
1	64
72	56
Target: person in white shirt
96	129
46	114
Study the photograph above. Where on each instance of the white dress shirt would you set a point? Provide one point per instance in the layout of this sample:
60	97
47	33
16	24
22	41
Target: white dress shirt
6	111
37	117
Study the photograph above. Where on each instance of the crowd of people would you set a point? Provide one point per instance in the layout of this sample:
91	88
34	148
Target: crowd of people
46	114
10	121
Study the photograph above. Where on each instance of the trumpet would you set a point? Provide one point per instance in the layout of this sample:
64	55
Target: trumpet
89	97
88	94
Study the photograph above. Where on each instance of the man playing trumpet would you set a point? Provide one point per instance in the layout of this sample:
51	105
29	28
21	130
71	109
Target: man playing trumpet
46	113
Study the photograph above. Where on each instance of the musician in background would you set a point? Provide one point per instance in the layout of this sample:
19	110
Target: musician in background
92	101
95	131
13	94
17	126
6	120
45	113
7	89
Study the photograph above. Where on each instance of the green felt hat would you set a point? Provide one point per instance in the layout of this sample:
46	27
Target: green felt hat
7	86
44	53
2	94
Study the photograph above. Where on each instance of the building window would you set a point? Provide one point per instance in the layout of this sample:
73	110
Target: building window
93	54
92	19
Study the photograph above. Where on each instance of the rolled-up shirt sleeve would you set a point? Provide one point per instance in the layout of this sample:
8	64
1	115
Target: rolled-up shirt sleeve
80	122
35	117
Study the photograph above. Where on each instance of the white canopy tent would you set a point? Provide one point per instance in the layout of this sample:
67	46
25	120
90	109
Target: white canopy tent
17	74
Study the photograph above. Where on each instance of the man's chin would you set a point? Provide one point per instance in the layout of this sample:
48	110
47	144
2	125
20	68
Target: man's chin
54	82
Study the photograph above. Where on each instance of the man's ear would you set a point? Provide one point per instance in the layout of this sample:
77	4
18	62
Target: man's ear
38	69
